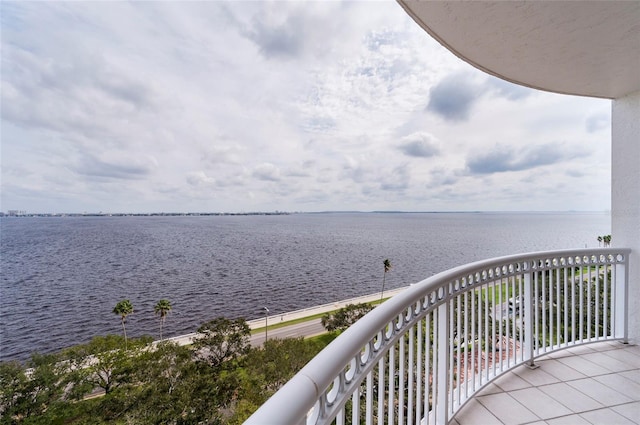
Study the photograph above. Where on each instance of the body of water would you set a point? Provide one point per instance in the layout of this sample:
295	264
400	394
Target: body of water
62	276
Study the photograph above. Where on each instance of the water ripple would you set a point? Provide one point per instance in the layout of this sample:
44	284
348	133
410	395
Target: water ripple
61	277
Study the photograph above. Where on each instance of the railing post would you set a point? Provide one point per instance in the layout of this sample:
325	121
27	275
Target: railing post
621	321
442	396
529	320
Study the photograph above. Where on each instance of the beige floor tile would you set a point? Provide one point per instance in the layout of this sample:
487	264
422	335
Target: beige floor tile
507	409
569	420
605	417
596	390
608	362
510	382
630	411
584	366
634	375
570	397
540	403
489	389
630	355
560	370
474	413
535	377
621	384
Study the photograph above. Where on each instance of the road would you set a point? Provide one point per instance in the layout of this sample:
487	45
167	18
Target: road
305	329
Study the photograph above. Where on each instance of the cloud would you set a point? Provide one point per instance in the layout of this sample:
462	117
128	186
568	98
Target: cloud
199	178
598	122
453	97
267	172
114	168
444	177
508	90
420	145
504	158
223	154
69	95
397	180
327	99
282	41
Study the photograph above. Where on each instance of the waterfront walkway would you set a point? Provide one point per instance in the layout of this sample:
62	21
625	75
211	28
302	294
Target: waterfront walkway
295	329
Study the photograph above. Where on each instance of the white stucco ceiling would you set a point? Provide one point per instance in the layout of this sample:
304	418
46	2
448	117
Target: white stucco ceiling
588	48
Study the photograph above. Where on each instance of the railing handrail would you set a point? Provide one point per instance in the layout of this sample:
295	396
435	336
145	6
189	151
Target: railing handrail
296	398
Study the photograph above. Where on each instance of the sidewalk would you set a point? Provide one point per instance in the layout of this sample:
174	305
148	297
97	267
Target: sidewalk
298	314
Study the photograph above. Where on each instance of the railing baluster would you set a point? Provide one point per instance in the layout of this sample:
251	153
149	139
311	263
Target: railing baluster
466	331
621	296
573	304
381	387
369	400
451	353
558	302
597	302
589	312
500	310
410	372
401	383
419	370
606	320
493	330
429	349
545	309
392	380
442	369
487	336
530	317
521	316
473	339
457	364
566	308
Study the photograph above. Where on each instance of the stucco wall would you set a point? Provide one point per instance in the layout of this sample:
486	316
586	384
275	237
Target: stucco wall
625	195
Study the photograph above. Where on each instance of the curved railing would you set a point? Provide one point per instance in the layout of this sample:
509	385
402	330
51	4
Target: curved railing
421	355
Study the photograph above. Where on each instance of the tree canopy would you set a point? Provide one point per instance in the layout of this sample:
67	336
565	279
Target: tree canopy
345	317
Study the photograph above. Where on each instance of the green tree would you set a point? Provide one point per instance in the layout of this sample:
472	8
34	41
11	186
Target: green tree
169	384
103	364
345	317
162	309
222	340
600	239
387	267
123	309
267	368
26	392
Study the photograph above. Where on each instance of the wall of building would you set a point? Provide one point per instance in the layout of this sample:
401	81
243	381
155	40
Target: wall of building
625	195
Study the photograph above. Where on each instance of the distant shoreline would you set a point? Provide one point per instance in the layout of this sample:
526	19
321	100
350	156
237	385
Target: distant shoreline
22	214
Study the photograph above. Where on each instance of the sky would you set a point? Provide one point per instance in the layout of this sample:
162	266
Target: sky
119	107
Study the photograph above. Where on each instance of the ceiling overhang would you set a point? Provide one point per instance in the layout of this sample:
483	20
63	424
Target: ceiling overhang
585	48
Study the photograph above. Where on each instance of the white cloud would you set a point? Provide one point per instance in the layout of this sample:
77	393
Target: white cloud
232	106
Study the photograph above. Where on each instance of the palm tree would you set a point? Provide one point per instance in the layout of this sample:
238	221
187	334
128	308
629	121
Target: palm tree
600	239
162	308
607	240
387	267
123	309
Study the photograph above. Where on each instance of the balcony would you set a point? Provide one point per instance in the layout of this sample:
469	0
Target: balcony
590	384
504	340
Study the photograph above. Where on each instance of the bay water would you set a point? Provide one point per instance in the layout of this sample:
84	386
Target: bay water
62	276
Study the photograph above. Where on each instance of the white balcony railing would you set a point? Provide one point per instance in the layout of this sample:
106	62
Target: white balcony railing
421	355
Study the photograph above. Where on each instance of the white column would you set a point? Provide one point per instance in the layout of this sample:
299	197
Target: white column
625	195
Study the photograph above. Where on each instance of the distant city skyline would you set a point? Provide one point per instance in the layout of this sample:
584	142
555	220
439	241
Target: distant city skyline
290	106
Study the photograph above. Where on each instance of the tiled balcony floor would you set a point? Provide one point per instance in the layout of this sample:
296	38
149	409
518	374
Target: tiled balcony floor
592	384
